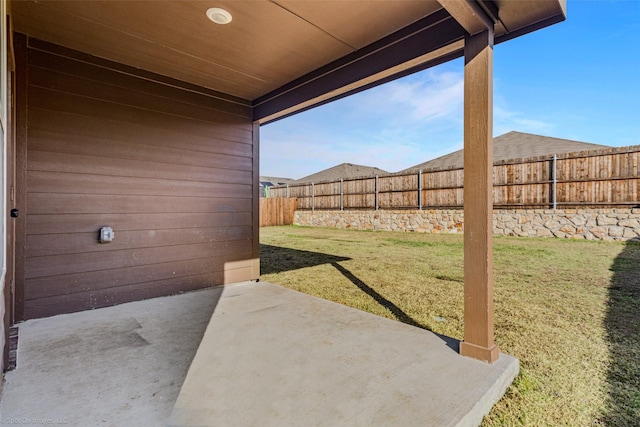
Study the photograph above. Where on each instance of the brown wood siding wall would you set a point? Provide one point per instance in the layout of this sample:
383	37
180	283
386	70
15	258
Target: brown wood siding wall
170	170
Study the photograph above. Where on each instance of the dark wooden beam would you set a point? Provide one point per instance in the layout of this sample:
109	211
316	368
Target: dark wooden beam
534	27
490	8
478	198
469	14
348	75
394	76
420	38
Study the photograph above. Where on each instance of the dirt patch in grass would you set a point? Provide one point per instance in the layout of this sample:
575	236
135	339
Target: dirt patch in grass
569	310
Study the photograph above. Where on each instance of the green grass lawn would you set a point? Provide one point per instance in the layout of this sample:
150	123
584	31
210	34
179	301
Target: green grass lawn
568	309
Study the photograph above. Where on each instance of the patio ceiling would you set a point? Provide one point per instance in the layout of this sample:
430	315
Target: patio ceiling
282	55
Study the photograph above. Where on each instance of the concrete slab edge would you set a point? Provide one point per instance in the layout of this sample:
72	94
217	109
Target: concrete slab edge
474	417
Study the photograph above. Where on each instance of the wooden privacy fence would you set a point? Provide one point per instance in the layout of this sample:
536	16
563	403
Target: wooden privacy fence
607	177
277	211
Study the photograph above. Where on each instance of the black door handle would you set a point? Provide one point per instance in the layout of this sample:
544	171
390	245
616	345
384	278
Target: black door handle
15	213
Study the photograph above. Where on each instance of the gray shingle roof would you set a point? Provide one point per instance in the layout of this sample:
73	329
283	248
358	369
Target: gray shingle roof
272	180
511	145
344	171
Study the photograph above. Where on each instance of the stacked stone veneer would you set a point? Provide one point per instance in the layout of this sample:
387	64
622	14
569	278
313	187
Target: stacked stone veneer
590	224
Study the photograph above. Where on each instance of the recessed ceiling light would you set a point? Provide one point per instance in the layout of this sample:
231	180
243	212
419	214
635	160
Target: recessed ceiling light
219	16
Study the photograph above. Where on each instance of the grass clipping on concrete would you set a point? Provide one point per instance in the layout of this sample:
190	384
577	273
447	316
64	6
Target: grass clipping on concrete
568	309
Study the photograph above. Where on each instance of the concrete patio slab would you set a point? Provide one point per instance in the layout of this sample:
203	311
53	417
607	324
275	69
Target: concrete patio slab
275	357
270	357
115	366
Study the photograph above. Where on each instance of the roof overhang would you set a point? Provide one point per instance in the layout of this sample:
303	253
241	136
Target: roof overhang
283	56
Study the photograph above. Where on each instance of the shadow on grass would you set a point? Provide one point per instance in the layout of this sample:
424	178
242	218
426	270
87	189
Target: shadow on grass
623	335
393	309
397	312
276	259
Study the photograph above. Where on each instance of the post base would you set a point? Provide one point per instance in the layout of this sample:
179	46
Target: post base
485	354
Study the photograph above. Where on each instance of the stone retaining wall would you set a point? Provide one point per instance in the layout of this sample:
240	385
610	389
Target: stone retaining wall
590	224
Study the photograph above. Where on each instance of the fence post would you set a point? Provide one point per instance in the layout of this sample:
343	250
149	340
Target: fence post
376	192
554	178
287	191
313	196
341	194
420	189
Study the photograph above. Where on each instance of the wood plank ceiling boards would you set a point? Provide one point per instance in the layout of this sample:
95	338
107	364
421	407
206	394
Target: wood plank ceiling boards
282	55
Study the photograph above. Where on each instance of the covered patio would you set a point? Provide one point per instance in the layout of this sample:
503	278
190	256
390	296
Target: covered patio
266	355
135	174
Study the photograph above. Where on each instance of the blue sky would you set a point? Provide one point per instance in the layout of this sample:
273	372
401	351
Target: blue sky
579	79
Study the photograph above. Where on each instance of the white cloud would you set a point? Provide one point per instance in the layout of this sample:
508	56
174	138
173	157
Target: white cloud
393	127
425	97
506	119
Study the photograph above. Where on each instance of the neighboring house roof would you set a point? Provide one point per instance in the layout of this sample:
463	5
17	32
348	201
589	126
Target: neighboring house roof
511	145
270	181
343	171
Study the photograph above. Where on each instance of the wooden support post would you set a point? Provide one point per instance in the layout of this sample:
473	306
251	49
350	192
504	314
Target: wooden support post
420	189
376	192
554	185
478	198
